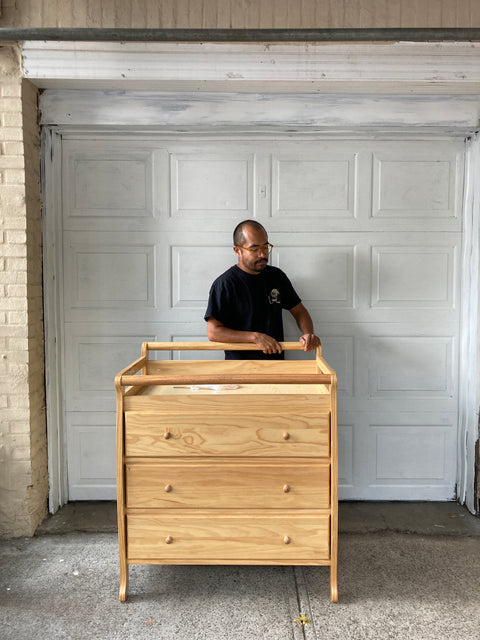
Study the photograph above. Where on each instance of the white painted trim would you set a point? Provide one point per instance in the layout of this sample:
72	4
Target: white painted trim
376	68
53	306
234	111
469	391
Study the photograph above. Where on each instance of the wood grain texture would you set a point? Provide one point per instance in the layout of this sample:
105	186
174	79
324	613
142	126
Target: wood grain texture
240	537
244	434
239	484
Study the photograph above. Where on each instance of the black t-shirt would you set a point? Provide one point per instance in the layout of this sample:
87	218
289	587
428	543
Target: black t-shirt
249	302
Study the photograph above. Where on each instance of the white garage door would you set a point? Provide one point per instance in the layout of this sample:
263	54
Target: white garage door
369	231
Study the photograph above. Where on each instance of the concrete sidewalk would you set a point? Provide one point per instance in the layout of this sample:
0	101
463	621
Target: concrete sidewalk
407	571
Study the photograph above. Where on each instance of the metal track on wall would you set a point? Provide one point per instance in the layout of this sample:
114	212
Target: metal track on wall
242	35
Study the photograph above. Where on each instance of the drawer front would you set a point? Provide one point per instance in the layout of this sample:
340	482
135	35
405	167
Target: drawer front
228	484
155	434
167	538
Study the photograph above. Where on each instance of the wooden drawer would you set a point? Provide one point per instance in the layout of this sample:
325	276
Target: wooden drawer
156	434
208	536
228	484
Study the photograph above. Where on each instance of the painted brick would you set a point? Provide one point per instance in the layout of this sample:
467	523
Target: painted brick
20	427
14	176
21	452
14	330
11	134
22	369
16	264
11	105
17	317
13	148
15	413
18	402
13	119
15	250
11	90
16	222
18	344
16	358
8	277
20	372
11	197
17	291
21	441
13	304
11	162
16	236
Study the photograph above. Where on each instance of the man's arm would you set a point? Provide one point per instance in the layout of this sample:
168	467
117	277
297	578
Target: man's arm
305	324
218	332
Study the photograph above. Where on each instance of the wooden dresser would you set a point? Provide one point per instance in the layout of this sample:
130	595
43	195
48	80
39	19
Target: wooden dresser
226	461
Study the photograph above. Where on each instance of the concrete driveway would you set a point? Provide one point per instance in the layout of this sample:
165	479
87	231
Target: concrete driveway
407	571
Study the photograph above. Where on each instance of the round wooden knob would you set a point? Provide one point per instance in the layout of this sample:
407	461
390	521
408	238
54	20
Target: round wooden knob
167	435
285	435
286	488
168	488
168	540
286	540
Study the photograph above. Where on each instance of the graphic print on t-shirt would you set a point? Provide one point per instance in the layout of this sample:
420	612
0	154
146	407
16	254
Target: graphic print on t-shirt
274	296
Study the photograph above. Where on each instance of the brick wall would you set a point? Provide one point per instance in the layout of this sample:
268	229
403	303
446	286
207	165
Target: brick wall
23	460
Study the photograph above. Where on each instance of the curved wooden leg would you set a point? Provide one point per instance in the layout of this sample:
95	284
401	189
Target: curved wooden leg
123	592
333	582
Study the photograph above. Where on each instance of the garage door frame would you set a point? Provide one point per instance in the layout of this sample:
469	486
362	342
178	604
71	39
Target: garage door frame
443	113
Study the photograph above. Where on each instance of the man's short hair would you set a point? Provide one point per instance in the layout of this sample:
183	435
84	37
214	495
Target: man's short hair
238	235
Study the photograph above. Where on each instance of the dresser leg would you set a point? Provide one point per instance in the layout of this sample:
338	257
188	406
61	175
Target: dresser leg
333	583
123	592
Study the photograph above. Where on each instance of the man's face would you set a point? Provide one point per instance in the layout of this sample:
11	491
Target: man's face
253	262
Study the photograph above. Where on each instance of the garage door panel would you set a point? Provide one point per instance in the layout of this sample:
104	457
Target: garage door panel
91	457
369	232
190	284
107	179
411	457
312	185
118	276
209	184
411	366
408	454
413	276
324	277
414	183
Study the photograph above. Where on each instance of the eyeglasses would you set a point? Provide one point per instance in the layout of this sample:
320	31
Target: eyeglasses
263	247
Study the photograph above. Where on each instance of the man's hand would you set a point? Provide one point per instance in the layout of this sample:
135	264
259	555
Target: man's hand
218	332
310	341
266	343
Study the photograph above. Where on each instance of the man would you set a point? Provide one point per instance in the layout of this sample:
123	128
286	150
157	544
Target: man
245	303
